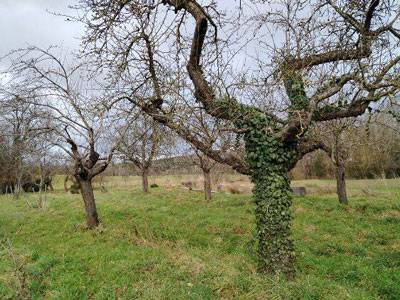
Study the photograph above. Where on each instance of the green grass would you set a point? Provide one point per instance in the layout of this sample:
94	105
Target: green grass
172	245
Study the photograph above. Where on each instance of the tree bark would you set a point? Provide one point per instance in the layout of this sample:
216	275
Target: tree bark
270	160
341	183
273	199
90	204
145	180
207	184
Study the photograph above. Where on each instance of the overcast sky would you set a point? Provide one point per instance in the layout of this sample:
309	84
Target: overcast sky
29	22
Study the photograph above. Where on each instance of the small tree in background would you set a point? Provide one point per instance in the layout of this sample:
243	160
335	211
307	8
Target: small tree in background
141	143
24	127
216	136
338	138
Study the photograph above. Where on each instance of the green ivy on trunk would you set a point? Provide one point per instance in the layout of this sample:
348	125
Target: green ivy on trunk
269	160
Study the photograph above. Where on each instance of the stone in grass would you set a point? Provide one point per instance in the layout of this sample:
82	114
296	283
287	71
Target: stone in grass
154	185
299	191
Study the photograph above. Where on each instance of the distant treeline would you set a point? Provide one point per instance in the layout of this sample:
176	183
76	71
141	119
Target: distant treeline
375	154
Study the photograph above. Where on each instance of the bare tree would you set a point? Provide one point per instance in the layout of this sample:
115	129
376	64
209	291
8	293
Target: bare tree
338	138
307	53
141	144
23	126
41	158
74	111
215	135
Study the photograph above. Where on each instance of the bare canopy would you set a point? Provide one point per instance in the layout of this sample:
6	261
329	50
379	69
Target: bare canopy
271	75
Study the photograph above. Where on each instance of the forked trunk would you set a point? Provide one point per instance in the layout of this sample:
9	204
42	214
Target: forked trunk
145	180
92	219
207	185
341	183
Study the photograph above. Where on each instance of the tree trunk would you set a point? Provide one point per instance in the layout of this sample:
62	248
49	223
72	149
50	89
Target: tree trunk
51	186
341	183
90	204
145	180
270	161
66	189
18	169
18	187
207	184
273	220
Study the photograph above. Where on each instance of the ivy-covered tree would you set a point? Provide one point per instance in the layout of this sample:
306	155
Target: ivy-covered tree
272	75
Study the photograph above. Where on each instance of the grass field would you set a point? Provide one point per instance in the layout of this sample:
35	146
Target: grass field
170	244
